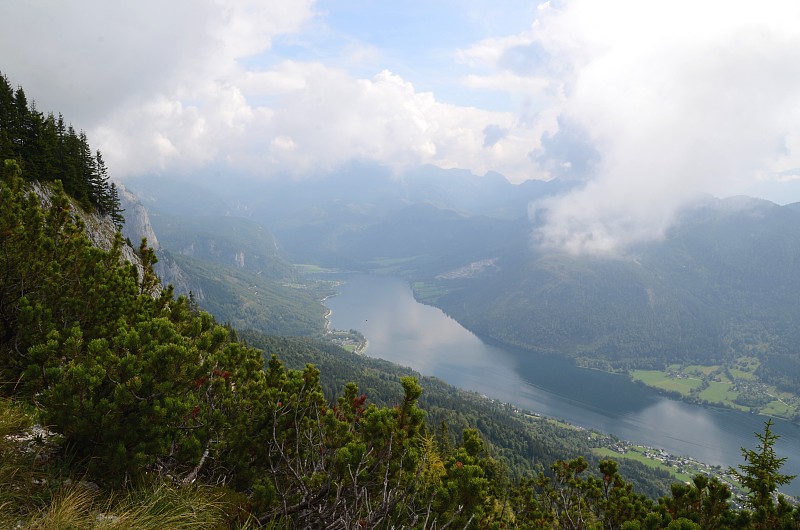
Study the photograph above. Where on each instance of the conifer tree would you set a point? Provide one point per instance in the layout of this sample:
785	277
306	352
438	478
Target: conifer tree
48	150
762	477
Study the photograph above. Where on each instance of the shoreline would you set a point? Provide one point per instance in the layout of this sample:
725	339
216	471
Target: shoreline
353	340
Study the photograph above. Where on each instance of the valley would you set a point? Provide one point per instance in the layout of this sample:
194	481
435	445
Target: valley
707	323
407	333
646	314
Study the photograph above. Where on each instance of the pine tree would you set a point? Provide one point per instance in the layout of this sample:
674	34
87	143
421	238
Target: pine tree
98	184
113	205
6	119
762	477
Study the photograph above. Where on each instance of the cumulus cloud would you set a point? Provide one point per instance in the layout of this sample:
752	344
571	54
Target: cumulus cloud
173	87
85	58
331	118
667	98
299	118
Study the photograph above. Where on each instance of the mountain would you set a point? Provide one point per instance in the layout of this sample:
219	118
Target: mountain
233	245
719	286
231	265
336	217
138	227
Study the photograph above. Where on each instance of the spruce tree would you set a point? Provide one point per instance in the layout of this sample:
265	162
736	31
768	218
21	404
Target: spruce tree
762	477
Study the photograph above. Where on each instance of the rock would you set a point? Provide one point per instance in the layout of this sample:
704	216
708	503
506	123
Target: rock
137	226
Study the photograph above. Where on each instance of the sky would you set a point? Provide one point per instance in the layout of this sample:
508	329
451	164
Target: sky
644	103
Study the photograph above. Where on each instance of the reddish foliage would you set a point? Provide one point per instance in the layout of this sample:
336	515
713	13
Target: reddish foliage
358	404
222	373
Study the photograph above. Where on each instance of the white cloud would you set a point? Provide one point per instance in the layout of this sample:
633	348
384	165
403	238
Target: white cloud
677	97
490	51
649	100
172	87
331	118
151	81
327	118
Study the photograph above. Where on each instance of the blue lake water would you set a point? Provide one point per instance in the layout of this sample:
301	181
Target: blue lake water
403	331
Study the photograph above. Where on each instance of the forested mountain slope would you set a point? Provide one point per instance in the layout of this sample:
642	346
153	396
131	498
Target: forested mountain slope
723	283
232	265
523	442
239	274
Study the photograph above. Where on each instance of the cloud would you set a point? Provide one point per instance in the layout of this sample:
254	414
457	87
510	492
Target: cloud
568	153
174	87
493	134
300	118
662	99
148	79
332	118
90	56
646	102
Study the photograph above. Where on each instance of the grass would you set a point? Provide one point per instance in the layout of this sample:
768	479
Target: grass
740	374
714	385
145	509
37	498
663	381
778	408
428	291
563	425
18	476
721	393
700	370
630	455
604	452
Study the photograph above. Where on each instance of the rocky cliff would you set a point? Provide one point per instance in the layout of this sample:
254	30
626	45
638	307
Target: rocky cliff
137	227
99	229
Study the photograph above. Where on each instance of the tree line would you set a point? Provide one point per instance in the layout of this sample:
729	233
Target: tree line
49	149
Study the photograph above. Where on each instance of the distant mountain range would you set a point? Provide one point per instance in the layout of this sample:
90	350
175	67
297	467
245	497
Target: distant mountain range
722	283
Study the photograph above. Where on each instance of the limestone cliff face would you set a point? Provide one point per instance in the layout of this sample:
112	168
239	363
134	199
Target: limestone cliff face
99	229
137	226
137	221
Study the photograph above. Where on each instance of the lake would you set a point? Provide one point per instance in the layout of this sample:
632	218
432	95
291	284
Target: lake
401	330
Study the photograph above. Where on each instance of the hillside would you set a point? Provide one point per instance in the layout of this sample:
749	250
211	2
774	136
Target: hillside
720	286
238	273
524	442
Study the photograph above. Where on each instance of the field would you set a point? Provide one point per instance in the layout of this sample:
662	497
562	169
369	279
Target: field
733	385
683	385
428	292
722	393
648	458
